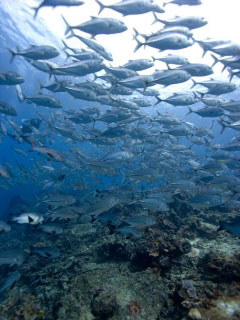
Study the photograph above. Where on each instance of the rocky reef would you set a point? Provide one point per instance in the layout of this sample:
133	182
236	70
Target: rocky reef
181	269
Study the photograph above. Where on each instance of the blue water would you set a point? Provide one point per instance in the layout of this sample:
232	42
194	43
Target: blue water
19	29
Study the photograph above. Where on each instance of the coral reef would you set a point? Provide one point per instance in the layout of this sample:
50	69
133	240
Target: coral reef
181	269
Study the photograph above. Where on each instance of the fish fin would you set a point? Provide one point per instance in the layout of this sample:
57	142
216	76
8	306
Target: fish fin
232	74
194	83
102	6
139	44
159	100
65	45
36	9
190	111
136	34
30	219
154	59
223	126
13	54
51	69
216	60
71	35
155	18
32	147
40	85
68	27
212	125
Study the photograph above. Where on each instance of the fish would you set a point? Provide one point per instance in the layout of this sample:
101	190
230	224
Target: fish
179	100
79	68
102	205
232	227
196	69
227	49
4	173
66	214
118	156
7	109
121	73
4	226
140	221
35	53
191	22
166	41
130	7
10	78
97	26
57	3
12	257
185	2
94	45
51	228
9	282
173	59
59	200
216	87
29	217
155	204
208	43
49	153
45	252
128	231
169	77
43	100
139	64
209	112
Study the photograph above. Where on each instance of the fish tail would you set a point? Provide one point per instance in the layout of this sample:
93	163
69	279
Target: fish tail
65	45
21	96
68	56
13	54
216	60
40	85
159	100
190	110
68	27
102	6
136	34
71	35
202	46
51	69
232	74
139	44
194	83
32	147
156	19
36	11
223	126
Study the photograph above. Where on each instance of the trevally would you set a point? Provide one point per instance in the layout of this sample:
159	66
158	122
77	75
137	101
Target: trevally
129	7
97	26
56	3
36	53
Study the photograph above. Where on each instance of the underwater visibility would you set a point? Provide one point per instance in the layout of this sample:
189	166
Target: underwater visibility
120	160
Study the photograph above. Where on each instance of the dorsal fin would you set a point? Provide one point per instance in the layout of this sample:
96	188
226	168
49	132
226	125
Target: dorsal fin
30	219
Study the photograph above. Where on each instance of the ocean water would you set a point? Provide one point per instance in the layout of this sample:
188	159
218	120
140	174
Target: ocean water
124	226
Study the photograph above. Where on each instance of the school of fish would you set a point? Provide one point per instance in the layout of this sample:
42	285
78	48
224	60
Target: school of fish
112	152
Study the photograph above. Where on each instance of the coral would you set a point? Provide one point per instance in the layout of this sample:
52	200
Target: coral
133	309
20	306
104	304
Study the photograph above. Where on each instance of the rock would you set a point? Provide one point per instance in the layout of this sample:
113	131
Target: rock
104	305
194	314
